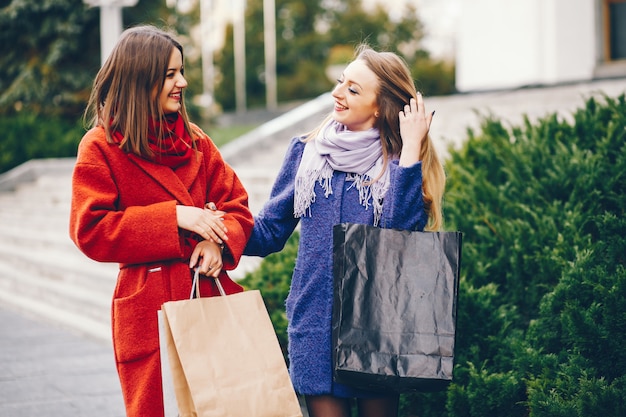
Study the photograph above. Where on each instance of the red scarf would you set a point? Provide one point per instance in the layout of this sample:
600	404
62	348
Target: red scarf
174	149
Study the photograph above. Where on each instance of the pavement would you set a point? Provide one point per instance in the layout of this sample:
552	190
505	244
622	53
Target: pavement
51	368
52	371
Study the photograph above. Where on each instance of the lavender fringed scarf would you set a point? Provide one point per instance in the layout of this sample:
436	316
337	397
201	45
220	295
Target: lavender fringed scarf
338	149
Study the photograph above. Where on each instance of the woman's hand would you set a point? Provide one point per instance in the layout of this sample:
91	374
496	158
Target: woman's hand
207	223
414	127
207	256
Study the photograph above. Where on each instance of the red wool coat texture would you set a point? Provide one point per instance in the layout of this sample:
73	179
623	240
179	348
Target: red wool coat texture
124	211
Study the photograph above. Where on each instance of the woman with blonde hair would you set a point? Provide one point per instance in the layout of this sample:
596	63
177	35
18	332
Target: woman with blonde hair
142	178
373	162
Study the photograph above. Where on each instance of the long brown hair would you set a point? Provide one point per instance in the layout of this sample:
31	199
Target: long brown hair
395	89
123	96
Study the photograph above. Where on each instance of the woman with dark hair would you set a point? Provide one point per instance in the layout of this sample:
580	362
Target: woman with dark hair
142	178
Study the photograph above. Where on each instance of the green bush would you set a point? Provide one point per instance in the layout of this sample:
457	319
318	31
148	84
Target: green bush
540	207
582	329
26	136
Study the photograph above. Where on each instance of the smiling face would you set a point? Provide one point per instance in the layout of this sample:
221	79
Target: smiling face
172	93
355	97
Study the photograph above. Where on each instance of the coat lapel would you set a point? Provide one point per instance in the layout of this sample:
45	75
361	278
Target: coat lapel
178	183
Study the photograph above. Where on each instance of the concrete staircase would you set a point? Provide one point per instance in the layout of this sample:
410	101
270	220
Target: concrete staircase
41	270
43	273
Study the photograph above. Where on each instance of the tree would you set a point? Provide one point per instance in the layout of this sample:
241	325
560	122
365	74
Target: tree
49	55
49	52
307	31
297	52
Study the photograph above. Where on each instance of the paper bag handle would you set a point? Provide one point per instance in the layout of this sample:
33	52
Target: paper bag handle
195	286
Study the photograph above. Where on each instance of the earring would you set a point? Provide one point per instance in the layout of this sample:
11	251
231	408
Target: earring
376	114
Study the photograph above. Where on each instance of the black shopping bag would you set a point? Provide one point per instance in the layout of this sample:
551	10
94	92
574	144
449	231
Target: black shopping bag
394	307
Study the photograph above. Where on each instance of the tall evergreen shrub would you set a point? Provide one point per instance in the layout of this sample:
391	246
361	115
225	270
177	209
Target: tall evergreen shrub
541	207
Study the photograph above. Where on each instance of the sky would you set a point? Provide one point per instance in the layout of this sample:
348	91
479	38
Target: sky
439	18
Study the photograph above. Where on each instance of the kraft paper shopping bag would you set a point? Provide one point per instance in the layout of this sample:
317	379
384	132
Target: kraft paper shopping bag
225	358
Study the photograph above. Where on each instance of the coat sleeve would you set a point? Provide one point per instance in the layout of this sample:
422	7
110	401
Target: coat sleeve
276	222
403	207
104	232
229	195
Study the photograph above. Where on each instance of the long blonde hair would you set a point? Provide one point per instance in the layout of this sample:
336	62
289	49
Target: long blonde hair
395	89
123	96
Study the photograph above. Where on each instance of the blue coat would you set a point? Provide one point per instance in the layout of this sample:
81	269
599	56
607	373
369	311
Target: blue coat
310	300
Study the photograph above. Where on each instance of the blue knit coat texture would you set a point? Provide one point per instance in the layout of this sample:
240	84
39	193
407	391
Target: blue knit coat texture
310	300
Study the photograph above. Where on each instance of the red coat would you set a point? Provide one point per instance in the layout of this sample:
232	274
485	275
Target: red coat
124	210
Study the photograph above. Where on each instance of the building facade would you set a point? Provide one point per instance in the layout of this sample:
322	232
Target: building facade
503	44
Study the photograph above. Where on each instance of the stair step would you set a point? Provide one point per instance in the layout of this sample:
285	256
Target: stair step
60	264
73	305
59	315
37	231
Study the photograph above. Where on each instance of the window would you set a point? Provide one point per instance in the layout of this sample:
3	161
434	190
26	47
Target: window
614	29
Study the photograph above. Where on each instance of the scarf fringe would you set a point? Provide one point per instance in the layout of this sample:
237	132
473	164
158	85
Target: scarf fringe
306	183
367	191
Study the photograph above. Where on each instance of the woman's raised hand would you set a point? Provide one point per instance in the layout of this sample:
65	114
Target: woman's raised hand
414	128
